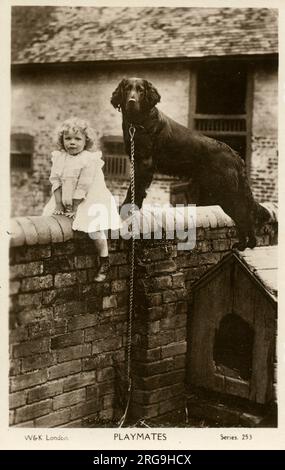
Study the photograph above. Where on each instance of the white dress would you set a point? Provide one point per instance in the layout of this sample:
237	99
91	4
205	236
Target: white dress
81	177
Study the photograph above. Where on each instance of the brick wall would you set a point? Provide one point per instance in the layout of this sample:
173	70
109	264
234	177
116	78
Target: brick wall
264	159
68	335
84	92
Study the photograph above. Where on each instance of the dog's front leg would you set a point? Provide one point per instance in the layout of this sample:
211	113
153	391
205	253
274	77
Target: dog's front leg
143	178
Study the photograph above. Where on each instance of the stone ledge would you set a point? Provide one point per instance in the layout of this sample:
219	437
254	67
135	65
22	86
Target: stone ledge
40	230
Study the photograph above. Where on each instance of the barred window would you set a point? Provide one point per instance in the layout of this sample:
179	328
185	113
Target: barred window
21	151
117	164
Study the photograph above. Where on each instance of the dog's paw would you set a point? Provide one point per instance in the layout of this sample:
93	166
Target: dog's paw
251	242
240	246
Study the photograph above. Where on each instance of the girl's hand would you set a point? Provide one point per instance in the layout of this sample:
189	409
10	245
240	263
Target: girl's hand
70	214
59	209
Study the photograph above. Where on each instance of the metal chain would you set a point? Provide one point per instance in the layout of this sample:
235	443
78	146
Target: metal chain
132	131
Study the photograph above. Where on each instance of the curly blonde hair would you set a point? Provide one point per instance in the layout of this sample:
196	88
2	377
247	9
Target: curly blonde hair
75	124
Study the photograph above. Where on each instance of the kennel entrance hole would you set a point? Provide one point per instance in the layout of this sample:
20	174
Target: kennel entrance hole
233	347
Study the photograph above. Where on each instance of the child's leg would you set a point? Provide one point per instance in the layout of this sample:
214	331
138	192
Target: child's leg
101	245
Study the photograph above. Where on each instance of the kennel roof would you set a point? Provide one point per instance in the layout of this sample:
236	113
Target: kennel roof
261	263
48	34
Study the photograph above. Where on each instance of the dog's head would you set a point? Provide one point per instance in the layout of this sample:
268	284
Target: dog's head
135	96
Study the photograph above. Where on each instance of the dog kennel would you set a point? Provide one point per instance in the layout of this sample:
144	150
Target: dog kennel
233	325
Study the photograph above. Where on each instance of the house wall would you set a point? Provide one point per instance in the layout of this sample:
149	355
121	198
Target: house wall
264	158
43	99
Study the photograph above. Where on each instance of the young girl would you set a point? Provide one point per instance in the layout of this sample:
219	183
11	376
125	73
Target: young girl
79	190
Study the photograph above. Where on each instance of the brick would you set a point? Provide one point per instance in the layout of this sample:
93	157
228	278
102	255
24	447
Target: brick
44	391
161	380
33	315
154	368
169	296
53	419
30	299
118	258
173	349
155	313
170	405
86	261
84	409
110	344
153	341
26	424
68	399
119	286
149	355
147	411
58	264
122	299
38	361
109	302
109	401
60	296
14	287
64	369
18	271
105	374
181	334
100	332
101	360
40	329
28	380
180	361
18	335
66	248
11	418
31	253
65	279
168	323
37	283
154	327
69	309
68	339
124	272
167	266
15	367
78	381
181	308
221	245
106	416
163	282
74	352
153	300
17	399
82	321
147	397
178	280
31	347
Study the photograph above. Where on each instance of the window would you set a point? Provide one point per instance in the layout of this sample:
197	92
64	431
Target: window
117	164
220	104
22	149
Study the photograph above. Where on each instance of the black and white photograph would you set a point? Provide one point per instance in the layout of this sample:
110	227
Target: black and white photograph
142	246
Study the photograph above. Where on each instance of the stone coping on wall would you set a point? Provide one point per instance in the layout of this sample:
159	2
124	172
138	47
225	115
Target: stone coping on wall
41	230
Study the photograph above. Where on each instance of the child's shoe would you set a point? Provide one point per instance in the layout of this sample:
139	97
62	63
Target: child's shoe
103	270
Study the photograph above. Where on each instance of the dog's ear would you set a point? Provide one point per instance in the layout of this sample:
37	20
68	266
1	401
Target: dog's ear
152	97
117	98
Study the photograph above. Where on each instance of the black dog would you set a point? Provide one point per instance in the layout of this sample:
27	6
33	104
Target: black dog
162	145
